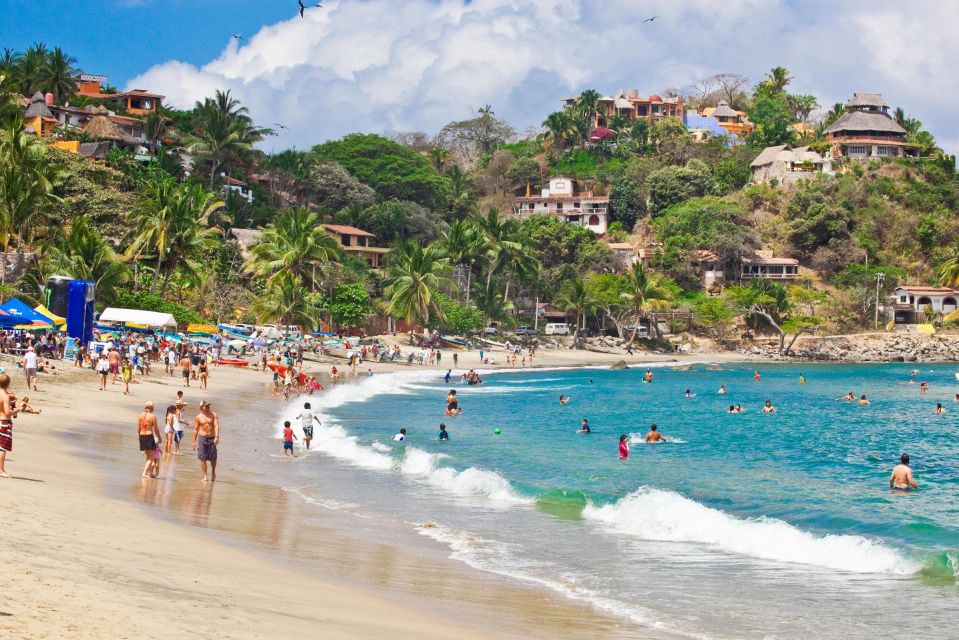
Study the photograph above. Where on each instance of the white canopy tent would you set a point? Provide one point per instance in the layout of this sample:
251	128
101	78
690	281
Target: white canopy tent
136	316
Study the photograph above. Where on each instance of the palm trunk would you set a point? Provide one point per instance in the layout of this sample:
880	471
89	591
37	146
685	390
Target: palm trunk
469	278
156	272
506	292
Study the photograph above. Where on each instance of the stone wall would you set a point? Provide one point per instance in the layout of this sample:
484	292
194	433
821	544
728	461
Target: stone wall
863	348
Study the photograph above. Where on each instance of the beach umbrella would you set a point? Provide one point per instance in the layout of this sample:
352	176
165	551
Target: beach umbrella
236	344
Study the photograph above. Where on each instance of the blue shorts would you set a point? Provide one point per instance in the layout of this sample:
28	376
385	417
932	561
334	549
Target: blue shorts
288	445
177	436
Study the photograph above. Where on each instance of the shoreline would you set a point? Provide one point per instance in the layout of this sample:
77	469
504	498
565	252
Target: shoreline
88	593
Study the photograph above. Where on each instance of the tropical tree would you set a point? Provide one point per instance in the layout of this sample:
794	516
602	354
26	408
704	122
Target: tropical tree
59	75
438	156
949	272
83	254
576	296
778	78
647	292
26	189
224	131
802	106
560	127
415	276
291	247
154	128
462	244
587	105
286	301
462	198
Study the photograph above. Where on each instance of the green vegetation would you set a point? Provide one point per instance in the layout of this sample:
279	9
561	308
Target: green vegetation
160	235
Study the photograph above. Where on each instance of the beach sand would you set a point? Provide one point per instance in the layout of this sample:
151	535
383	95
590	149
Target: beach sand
86	558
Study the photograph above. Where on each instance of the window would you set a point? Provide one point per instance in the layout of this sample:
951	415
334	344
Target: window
642	110
593	220
857	150
559	206
886	152
903	299
576	204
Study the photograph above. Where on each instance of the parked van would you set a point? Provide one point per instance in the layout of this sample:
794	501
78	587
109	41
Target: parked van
557	329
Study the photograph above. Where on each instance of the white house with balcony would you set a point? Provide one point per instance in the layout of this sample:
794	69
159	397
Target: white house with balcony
561	199
912	304
238	187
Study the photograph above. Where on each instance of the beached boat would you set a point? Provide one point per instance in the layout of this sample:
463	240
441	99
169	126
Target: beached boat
235	363
455	342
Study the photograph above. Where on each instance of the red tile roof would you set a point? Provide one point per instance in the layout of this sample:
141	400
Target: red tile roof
347	230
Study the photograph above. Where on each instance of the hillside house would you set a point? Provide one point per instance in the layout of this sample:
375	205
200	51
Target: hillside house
788	165
629	104
735	123
240	188
625	252
356	242
762	264
911	304
561	199
866	131
38	118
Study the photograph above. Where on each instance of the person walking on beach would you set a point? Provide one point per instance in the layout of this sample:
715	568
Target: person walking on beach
149	434
29	363
179	422
206	438
307	417
103	368
185	365
456	359
114	357
901	478
8	409
169	428
288	438
203	373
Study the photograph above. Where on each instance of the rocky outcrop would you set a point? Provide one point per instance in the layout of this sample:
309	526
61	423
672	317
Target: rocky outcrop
619	366
864	348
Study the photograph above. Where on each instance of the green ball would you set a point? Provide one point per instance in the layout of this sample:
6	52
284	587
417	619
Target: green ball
497	431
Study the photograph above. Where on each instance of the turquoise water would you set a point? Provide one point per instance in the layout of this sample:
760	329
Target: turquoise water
745	525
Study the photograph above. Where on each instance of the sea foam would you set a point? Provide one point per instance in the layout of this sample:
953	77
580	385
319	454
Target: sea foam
653	514
468	482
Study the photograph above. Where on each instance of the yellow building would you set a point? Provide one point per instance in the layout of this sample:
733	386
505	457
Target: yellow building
38	119
734	122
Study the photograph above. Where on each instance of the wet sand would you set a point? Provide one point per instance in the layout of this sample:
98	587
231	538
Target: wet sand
95	551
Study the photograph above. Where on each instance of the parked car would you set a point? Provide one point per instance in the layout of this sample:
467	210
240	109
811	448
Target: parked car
525	330
556	329
642	332
491	329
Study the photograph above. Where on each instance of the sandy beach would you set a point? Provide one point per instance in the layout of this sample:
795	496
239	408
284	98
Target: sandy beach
86	560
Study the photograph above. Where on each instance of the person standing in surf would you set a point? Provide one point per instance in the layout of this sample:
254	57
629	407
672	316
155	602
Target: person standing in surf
206	438
901	478
623	447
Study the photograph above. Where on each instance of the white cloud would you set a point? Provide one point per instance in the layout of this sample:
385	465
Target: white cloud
377	65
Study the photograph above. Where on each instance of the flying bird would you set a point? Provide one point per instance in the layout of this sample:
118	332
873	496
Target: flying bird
649	19
282	126
302	7
238	36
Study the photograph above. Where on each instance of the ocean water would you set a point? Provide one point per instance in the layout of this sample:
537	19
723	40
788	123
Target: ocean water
745	525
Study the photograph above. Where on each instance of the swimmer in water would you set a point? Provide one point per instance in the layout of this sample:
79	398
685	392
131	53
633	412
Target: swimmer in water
923	387
756	376
802	379
768	407
452	404
863	401
739	408
563	399
901	478
732	409
584	427
939	408
623	447
689	394
956	399
914	373
442	435
654	436
722	390
648	376
849	397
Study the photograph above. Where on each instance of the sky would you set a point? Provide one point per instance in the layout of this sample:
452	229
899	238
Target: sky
415	65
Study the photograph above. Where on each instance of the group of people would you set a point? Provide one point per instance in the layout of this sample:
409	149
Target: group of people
206	437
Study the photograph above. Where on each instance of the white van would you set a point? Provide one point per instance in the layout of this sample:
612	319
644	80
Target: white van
557	329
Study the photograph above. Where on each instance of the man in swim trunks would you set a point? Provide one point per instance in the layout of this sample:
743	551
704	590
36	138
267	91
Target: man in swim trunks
149	434
654	435
206	438
8	410
901	478
114	357
185	365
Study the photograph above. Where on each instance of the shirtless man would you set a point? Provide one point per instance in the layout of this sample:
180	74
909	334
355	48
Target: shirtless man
206	438
186	366
654	436
768	407
114	357
7	412
149	434
901	478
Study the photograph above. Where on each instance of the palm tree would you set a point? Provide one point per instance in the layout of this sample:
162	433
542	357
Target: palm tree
154	128
462	244
646	293
30	67
949	272
292	247
439	157
561	128
802	106
494	230
778	78
575	296
153	222
462	198
59	75
833	114
416	274
587	104
224	131
288	302
26	189
516	262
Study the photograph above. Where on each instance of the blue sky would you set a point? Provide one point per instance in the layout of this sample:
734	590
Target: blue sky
384	65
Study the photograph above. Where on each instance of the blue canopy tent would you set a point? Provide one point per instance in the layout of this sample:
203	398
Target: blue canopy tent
20	313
